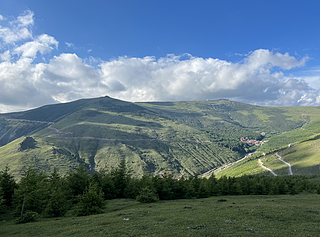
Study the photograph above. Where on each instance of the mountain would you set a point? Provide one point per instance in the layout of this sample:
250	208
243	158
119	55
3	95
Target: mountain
183	138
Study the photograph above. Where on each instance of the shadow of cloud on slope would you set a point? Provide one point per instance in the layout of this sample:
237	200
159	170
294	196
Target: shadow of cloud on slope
105	118
161	103
151	155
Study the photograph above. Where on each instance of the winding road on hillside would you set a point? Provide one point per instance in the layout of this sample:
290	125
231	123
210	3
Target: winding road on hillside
266	168
289	166
225	166
58	134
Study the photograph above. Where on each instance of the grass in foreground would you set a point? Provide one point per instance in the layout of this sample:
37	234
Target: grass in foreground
238	216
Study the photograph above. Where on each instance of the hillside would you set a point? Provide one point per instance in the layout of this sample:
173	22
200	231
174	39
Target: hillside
302	154
183	138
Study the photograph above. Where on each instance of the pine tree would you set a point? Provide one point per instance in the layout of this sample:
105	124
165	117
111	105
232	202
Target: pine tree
121	177
32	193
8	184
78	180
204	189
91	201
58	202
2	202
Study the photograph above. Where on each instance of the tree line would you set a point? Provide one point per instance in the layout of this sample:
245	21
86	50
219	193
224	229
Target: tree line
52	195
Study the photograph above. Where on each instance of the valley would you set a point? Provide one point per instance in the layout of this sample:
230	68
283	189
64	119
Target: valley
184	138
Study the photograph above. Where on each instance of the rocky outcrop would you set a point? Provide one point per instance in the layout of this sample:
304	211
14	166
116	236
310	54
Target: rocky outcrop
27	143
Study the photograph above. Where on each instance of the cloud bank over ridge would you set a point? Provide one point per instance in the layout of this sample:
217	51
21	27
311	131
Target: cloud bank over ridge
33	72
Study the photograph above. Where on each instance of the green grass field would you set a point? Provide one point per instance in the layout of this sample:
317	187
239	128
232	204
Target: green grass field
245	167
303	157
285	215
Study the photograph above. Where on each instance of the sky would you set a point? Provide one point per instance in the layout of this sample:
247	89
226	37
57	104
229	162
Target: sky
252	51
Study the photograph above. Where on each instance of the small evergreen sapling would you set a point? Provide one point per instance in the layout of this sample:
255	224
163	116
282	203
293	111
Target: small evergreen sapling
147	195
91	201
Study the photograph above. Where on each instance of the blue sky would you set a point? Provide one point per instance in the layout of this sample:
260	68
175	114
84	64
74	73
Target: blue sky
259	52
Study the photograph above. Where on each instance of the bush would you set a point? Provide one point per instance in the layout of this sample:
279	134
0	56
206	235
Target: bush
147	195
29	216
91	202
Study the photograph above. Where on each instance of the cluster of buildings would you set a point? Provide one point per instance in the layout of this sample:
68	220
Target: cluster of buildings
247	140
253	142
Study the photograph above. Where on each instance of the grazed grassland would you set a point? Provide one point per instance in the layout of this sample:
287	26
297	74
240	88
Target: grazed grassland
238	216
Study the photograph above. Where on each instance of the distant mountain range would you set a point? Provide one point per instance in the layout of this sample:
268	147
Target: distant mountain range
183	138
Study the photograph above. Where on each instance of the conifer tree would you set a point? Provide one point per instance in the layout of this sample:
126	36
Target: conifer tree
8	184
121	177
32	194
91	201
2	202
78	180
147	195
58	202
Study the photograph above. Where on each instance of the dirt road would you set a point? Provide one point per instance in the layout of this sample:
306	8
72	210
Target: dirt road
262	166
289	166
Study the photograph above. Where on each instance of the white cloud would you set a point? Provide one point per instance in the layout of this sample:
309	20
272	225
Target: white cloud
67	77
11	36
170	78
19	29
5	56
42	44
69	45
26	83
1	18
26	18
17	89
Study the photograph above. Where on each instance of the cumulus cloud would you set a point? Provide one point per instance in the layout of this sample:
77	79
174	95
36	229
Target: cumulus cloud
18	29
5	56
194	78
26	83
26	18
43	44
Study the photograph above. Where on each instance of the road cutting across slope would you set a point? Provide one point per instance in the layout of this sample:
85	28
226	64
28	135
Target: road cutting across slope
289	166
262	166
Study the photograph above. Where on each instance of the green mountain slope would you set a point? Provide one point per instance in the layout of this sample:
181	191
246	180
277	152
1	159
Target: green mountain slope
303	156
184	138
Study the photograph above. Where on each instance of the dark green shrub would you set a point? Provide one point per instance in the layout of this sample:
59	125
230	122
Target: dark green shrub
91	202
147	195
29	216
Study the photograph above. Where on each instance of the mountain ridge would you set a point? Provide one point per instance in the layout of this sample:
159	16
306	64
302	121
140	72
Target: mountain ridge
184	138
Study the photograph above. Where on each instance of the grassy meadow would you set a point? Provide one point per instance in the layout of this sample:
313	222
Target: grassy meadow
281	215
304	158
